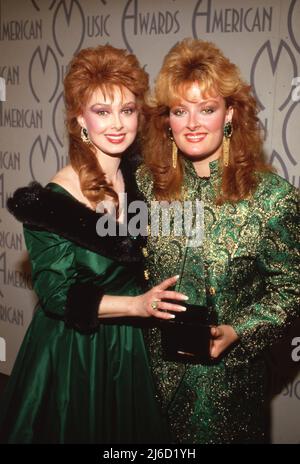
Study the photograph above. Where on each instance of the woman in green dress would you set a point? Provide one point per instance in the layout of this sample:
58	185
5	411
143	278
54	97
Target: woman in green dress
81	377
202	142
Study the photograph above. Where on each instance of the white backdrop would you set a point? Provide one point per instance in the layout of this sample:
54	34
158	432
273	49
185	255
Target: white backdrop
37	40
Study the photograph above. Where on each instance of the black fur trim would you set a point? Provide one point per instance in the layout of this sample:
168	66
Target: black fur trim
82	307
41	208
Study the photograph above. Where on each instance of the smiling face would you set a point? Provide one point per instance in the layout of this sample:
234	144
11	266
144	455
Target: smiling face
111	121
197	124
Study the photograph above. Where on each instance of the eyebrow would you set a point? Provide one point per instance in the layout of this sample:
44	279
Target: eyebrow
108	105
210	100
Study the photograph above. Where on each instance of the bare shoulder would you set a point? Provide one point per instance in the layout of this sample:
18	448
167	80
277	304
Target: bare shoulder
68	179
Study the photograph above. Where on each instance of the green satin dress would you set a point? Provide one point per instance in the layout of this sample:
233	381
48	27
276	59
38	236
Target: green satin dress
68	387
247	272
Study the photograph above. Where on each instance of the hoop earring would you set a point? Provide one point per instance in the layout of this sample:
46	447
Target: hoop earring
85	135
227	131
174	148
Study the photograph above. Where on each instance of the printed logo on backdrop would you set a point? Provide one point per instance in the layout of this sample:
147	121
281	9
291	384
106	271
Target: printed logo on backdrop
290	143
44	160
98	26
43	74
283	59
293	23
264	60
211	18
10	240
20	118
10	75
58	120
11	315
68	21
17	278
24	29
38	4
137	21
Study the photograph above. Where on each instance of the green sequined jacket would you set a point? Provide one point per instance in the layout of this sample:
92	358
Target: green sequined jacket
246	270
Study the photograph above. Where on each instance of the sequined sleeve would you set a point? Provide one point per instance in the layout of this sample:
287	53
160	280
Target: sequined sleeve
265	322
144	182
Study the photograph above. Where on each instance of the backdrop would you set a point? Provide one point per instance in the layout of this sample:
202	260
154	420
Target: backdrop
37	40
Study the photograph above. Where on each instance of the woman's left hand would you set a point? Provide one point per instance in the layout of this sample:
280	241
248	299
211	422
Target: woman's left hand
222	336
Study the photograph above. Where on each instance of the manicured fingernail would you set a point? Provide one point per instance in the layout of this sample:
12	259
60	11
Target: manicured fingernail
172	316
177	276
182	308
185	297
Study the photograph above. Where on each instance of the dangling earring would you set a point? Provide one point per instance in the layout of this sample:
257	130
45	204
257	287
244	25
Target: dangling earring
84	135
174	149
227	131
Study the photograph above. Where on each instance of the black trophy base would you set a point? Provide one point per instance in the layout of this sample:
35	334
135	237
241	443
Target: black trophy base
187	337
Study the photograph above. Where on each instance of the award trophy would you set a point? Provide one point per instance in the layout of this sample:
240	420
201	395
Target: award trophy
186	338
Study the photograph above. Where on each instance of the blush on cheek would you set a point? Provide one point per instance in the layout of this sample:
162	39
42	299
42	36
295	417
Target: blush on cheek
177	125
134	124
93	122
216	122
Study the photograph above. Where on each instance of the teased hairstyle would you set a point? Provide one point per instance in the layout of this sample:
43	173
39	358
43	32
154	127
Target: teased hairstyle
104	68
198	61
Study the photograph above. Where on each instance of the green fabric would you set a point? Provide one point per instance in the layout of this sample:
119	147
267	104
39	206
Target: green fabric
247	271
72	388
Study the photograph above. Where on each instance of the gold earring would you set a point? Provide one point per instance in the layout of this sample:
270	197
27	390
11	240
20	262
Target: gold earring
226	142
84	135
174	154
174	149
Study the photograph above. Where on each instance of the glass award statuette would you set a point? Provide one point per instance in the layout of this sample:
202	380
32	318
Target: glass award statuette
187	337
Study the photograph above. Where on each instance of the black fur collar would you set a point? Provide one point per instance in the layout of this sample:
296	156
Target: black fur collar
43	209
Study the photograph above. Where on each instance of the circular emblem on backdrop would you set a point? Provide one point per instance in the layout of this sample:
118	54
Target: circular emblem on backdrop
277	161
267	63
293	23
68	22
289	128
43	74
43	160
58	120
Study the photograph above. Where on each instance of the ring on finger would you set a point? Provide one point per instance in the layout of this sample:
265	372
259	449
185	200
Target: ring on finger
154	304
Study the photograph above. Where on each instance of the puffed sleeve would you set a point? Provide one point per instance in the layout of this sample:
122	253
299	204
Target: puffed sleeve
55	280
278	262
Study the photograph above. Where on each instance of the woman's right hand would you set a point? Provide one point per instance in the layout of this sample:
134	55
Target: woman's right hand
151	303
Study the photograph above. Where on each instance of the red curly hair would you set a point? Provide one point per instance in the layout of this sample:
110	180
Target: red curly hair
105	68
198	61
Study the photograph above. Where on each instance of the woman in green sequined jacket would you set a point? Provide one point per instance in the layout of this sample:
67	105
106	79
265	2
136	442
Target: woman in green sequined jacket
202	141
